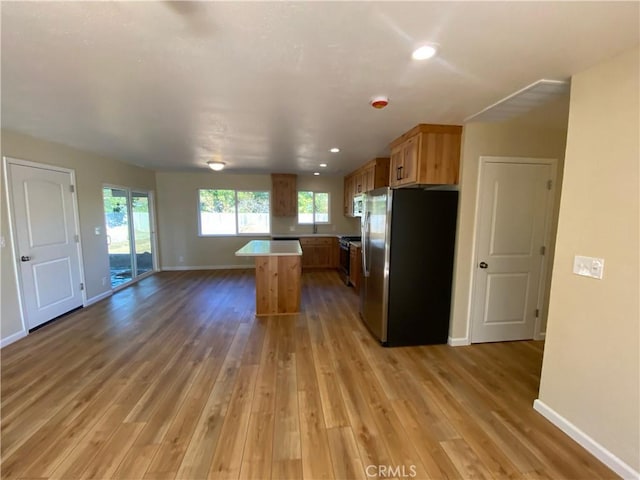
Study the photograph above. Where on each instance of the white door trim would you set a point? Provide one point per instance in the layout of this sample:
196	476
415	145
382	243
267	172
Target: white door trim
12	229
483	161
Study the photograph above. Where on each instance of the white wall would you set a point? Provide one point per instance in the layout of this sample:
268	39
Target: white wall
10	321
178	217
591	369
525	136
91	172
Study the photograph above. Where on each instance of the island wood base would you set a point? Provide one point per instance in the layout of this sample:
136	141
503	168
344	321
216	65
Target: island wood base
278	284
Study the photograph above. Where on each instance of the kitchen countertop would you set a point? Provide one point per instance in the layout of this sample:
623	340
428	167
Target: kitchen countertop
300	235
269	248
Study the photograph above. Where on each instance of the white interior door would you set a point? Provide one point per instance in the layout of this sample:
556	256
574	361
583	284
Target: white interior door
513	213
46	242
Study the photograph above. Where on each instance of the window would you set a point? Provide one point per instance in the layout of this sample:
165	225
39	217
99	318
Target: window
231	212
313	207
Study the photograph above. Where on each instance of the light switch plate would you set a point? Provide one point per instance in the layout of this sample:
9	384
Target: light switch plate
2	242
588	266
97	230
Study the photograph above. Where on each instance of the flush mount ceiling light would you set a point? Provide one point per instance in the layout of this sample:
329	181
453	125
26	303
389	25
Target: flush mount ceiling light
217	166
323	165
334	150
316	173
424	52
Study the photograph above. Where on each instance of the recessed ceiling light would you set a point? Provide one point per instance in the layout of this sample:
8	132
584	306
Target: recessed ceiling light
424	52
323	165
217	166
334	150
316	173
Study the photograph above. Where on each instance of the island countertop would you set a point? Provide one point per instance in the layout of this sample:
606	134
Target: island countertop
295	236
270	248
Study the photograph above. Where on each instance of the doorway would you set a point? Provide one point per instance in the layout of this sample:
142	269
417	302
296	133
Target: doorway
130	234
43	217
513	220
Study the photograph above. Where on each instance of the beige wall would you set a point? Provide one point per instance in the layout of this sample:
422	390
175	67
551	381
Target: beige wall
178	217
91	172
516	138
10	322
591	369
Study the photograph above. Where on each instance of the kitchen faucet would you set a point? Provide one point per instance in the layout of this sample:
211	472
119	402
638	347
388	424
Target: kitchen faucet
315	227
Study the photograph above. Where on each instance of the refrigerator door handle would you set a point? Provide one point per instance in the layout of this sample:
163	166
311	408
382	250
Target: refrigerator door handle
366	228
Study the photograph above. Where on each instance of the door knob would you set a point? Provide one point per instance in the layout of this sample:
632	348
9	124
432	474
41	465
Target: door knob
483	265
25	258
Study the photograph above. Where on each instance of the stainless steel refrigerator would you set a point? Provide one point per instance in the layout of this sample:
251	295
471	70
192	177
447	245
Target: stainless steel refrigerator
408	240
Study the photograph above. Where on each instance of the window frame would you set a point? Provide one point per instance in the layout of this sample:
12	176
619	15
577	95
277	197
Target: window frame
314	192
235	196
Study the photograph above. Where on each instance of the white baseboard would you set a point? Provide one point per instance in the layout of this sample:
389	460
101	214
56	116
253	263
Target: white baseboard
584	440
207	267
97	298
459	342
12	338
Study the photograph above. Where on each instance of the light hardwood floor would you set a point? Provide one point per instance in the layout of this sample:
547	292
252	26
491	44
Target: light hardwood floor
176	378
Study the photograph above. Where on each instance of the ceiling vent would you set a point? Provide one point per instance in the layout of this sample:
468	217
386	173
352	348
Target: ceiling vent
516	104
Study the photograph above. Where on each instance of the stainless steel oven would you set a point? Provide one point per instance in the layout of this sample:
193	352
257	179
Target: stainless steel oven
345	256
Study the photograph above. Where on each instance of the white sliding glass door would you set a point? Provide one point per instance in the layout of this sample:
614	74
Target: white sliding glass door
142	232
130	236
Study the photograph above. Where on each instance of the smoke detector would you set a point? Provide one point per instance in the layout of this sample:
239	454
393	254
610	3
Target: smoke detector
379	102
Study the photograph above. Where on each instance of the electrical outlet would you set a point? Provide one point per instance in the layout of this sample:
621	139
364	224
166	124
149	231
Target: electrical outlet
97	230
104	281
292	228
2	243
181	259
588	266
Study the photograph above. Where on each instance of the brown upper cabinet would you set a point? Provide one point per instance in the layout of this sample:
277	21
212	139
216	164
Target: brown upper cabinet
377	173
426	154
284	195
373	174
349	192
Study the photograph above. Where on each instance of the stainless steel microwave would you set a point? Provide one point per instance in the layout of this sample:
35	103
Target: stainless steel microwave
358	205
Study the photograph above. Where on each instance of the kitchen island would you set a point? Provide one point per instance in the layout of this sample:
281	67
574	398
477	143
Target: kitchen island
278	275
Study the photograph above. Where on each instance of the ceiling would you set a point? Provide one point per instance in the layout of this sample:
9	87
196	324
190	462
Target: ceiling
271	86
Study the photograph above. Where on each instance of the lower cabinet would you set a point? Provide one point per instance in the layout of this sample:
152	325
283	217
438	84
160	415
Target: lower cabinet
355	266
320	252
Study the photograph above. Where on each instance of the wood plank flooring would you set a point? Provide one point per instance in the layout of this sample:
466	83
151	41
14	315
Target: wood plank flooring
175	378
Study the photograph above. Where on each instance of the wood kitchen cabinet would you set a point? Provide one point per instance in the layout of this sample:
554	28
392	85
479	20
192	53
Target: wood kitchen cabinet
426	154
355	265
284	195
348	195
359	182
378	173
373	174
368	177
320	252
